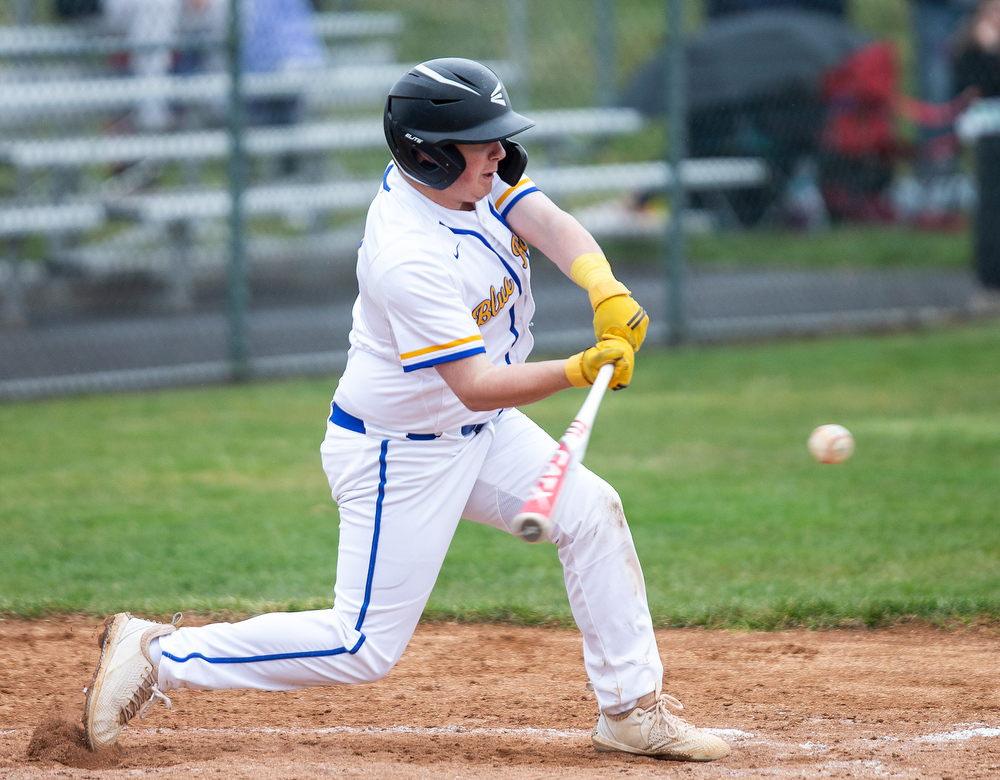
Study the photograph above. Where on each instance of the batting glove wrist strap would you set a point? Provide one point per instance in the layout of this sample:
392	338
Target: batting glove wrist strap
574	371
593	273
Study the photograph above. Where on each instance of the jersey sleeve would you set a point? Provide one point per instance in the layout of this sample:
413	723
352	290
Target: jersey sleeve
505	196
430	322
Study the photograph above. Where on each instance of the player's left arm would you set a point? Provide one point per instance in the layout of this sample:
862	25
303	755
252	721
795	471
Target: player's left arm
482	386
561	238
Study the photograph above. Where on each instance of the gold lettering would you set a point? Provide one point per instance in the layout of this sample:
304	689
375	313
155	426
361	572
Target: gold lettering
488	309
482	313
520	249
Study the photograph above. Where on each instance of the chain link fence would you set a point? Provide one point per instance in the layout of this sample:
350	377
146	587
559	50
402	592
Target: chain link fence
183	183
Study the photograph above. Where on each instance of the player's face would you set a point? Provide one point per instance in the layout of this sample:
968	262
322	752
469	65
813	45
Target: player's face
476	180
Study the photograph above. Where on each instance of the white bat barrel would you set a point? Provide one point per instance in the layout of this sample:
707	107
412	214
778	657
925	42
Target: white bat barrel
532	527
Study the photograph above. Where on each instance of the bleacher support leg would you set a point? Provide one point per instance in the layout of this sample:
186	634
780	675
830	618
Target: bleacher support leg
13	310
180	293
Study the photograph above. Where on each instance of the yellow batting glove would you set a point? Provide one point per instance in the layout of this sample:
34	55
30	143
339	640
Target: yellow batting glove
616	313
621	317
582	368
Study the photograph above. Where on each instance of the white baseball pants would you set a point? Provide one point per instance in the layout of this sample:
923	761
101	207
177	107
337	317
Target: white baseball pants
400	502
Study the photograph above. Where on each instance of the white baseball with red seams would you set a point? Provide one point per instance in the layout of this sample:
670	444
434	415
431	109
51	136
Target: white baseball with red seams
405	460
831	444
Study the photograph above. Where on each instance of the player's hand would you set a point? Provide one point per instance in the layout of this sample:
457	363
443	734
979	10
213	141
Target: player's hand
582	368
620	316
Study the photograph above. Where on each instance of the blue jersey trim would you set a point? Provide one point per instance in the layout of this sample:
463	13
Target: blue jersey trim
496	214
513	275
513	330
482	238
385	178
444	359
509	206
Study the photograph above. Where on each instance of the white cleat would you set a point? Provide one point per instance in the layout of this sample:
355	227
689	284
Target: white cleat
124	682
651	730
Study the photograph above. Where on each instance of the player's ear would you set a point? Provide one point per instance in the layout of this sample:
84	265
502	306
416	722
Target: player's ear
512	166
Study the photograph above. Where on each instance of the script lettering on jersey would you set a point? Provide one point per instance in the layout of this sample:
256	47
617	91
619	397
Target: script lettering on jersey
493	305
519	248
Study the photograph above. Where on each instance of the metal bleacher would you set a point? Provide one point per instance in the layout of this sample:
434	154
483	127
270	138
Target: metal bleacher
48	40
343	115
318	136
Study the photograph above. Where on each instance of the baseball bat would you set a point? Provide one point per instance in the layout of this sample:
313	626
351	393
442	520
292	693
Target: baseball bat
534	522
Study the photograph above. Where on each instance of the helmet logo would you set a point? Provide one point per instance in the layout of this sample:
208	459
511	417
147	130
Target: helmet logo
430	73
413	138
496	97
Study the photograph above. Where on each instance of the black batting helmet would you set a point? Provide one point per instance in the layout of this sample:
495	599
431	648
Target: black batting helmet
444	102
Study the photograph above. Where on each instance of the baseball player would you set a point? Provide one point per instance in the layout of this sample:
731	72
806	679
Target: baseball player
424	430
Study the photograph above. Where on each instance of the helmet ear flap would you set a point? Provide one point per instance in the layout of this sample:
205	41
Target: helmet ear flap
449	157
512	166
436	166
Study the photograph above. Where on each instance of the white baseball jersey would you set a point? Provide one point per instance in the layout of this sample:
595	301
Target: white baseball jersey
435	285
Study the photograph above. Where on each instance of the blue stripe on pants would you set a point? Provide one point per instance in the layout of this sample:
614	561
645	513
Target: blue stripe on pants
364	607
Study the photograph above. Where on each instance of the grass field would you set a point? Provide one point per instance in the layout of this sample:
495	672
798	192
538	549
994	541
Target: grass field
213	499
842	246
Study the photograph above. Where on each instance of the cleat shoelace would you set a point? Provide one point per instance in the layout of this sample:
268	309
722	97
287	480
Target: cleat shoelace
672	725
155	695
143	700
148	693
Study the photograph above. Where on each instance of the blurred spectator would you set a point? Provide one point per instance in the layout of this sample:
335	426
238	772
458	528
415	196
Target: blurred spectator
934	25
934	191
279	35
977	52
719	8
151	28
858	141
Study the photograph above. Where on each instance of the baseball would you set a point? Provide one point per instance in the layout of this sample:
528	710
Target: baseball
831	444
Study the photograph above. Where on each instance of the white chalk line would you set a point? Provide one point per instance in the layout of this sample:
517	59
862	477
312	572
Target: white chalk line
959	736
724	733
971	731
428	731
424	731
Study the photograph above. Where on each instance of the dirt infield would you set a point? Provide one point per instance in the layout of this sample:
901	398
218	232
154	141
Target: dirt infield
504	702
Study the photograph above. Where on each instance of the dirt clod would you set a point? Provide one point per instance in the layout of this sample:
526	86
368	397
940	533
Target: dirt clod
59	740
